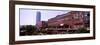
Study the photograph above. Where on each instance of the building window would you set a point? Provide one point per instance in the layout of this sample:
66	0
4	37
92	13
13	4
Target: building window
66	18
76	16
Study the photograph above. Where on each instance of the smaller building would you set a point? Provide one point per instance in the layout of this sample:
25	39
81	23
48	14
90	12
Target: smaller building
42	25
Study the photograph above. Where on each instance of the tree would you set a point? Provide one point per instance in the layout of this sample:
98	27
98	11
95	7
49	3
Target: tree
30	29
83	30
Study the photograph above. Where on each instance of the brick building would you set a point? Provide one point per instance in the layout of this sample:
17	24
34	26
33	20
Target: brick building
72	19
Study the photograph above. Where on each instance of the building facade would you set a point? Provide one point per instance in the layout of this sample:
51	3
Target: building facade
72	19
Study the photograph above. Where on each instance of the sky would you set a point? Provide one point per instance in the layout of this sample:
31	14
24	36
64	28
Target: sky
28	16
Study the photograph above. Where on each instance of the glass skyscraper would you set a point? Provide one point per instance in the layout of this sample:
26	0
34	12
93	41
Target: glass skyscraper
38	17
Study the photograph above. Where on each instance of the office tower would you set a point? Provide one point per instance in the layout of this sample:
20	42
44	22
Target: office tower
38	17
